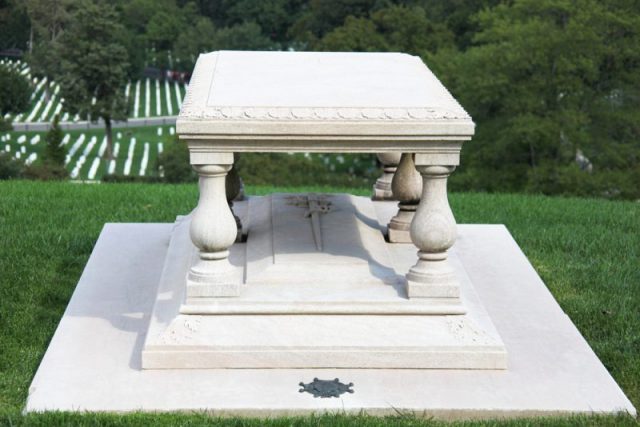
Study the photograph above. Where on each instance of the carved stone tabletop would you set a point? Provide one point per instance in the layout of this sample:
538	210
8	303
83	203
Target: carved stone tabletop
324	102
258	97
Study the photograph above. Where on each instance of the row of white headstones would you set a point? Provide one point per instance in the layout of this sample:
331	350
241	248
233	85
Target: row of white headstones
85	148
147	98
44	110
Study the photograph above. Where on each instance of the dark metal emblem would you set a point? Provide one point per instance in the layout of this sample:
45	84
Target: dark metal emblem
326	388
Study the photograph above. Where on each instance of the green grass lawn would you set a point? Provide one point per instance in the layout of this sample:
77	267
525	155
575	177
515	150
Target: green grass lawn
586	251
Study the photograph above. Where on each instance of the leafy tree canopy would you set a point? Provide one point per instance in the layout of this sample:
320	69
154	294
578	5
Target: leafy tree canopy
553	85
547	80
14	25
54	151
396	28
14	95
14	92
94	64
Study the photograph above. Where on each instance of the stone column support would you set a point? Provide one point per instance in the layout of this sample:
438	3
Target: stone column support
213	230
433	231
382	187
407	187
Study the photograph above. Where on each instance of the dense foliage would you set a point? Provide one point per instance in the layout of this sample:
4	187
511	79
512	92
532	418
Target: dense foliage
93	65
554	88
341	170
553	85
54	151
10	168
49	18
14	94
51	165
174	165
14	25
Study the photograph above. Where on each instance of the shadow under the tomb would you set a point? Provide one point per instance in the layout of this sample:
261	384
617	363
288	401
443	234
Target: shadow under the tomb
346	243
394	278
122	291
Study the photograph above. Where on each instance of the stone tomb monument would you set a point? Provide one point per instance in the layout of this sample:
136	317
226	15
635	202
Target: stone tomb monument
367	303
313	265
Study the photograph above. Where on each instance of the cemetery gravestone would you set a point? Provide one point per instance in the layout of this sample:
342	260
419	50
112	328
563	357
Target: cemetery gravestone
319	281
309	258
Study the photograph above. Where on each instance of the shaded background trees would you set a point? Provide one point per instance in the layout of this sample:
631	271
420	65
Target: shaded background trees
554	88
553	85
48	19
93	65
14	94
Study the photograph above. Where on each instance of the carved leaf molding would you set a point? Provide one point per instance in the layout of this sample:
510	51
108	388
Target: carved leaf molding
191	112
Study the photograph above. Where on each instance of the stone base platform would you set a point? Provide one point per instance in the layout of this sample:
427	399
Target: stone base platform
94	363
324	292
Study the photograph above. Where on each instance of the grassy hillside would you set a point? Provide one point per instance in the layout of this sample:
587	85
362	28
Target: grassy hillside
135	149
586	251
145	97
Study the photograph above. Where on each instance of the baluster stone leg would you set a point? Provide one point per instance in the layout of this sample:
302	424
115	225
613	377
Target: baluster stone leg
406	186
382	187
213	230
433	231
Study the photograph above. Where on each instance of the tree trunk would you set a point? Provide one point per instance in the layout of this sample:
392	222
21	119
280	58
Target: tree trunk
109	134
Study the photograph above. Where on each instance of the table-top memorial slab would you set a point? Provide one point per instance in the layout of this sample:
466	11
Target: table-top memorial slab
318	101
323	102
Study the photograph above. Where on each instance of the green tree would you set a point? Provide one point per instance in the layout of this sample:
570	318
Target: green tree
174	163
457	15
94	65
10	168
245	36
14	25
396	28
135	15
196	39
51	164
204	37
14	95
54	151
163	28
322	16
356	35
48	20
274	17
547	80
